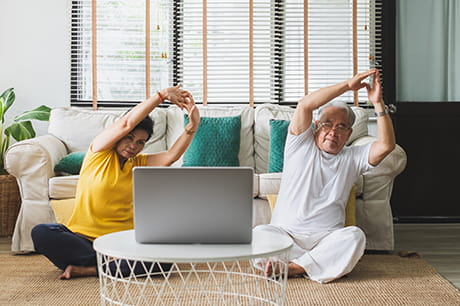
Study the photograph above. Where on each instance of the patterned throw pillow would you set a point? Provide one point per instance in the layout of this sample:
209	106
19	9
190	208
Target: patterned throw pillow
71	164
278	134
216	143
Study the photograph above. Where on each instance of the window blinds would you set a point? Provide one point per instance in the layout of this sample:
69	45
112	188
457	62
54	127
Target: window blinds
122	72
238	52
220	66
329	45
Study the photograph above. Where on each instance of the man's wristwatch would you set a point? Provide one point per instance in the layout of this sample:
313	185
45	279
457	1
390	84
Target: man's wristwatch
385	112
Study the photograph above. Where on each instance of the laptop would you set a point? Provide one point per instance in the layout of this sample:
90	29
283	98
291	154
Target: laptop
193	205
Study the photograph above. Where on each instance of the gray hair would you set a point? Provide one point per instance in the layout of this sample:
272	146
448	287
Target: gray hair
341	105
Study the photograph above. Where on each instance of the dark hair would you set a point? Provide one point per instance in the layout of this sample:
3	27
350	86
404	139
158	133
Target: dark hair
147	125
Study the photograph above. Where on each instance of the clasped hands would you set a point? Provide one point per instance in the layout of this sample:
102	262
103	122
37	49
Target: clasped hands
184	100
374	90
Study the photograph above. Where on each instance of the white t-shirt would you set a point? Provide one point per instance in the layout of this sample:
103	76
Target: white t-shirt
315	185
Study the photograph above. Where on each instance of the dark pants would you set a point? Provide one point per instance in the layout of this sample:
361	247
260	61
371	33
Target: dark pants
64	247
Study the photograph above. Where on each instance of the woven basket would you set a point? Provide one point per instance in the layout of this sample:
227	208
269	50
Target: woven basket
10	202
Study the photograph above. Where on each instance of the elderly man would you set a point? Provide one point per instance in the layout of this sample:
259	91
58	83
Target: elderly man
318	174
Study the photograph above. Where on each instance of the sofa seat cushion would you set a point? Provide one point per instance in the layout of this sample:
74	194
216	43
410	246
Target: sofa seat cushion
175	118
63	187
269	184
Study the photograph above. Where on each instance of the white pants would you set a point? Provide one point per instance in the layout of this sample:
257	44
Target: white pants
324	256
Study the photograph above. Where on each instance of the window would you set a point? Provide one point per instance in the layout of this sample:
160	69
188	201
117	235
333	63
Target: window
121	50
229	52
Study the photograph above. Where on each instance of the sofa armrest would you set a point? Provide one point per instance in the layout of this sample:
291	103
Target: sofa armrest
32	162
392	165
35	158
373	209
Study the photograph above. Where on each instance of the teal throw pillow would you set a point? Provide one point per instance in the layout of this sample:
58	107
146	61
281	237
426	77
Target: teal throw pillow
216	143
71	164
278	134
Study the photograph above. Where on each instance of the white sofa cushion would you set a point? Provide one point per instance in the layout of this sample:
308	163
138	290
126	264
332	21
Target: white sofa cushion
263	114
157	143
77	127
175	118
269	183
63	187
255	186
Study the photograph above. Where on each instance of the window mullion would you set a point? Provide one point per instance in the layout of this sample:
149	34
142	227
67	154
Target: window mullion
277	51
176	45
94	51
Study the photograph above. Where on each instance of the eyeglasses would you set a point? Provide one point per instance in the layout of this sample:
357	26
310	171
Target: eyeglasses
328	126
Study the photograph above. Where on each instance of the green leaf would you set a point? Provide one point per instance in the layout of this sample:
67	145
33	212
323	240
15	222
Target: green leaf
4	144
21	130
2	109
41	113
9	96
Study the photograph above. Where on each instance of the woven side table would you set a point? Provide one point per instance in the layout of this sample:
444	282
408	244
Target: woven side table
10	202
200	274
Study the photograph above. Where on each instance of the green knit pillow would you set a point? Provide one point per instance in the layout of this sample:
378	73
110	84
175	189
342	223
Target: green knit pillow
278	134
71	164
216	143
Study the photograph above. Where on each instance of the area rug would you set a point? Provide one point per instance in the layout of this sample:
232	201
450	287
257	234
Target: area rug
377	280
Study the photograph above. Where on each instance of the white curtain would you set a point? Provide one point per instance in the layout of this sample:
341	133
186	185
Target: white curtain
428	50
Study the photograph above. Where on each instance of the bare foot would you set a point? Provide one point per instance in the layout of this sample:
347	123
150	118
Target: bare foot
269	269
273	269
295	270
77	271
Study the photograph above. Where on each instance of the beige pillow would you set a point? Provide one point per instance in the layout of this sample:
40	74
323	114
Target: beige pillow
62	209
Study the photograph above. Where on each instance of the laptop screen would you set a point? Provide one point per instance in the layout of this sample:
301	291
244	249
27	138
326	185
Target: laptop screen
193	204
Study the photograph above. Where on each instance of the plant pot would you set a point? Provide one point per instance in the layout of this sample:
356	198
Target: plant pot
10	202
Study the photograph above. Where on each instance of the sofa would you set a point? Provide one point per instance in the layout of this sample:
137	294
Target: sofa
71	129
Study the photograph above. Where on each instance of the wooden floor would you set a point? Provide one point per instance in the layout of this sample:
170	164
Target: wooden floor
439	244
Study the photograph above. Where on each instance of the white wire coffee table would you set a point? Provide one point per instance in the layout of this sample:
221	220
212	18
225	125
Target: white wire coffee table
197	274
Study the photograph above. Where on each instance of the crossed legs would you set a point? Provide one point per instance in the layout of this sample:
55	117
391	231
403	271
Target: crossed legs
323	257
74	254
70	252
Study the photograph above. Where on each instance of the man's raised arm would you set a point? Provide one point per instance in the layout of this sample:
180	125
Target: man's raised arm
386	140
303	114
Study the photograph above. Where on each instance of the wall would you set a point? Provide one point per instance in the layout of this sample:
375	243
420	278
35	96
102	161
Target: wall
35	54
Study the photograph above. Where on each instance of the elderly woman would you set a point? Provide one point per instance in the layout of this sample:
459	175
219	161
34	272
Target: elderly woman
104	201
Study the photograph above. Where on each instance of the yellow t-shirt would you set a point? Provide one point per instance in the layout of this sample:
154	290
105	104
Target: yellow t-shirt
104	196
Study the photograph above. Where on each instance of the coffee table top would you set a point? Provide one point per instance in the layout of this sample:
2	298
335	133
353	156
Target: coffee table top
123	245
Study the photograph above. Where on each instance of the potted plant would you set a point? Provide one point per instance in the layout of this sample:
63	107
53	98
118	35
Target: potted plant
20	129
